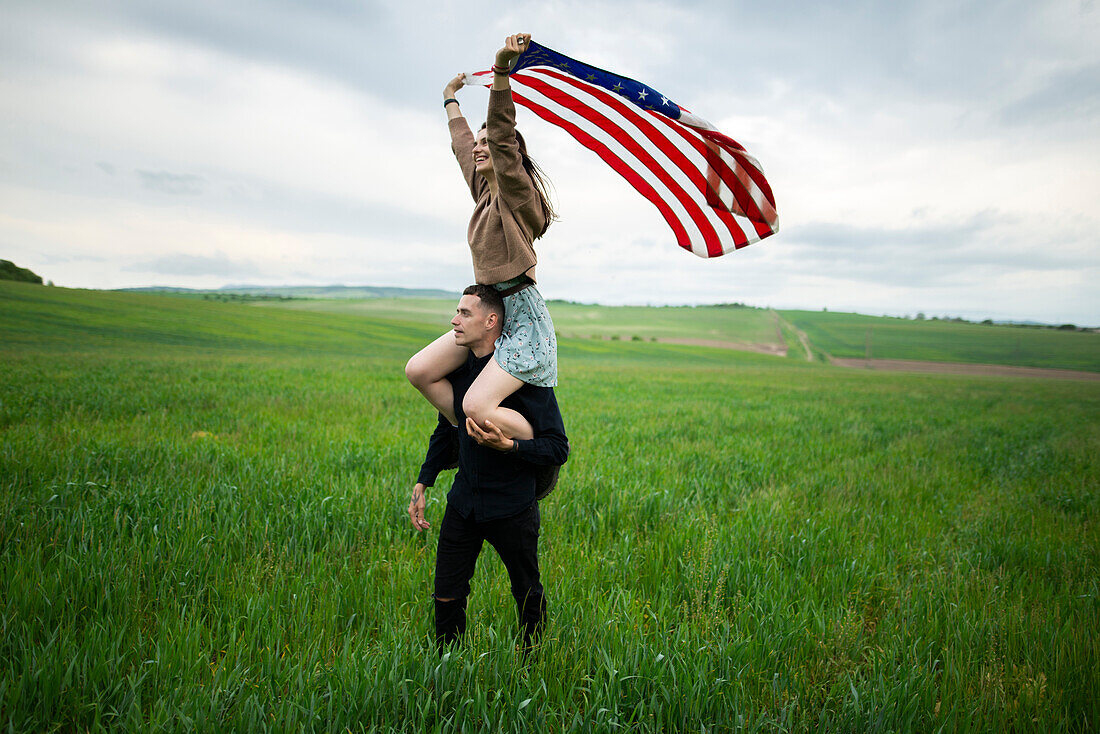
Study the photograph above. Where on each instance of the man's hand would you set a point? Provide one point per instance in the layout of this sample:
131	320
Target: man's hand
490	436
416	508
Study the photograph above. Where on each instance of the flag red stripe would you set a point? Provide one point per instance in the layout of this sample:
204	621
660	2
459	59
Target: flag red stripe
666	146
685	177
744	199
737	151
731	146
761	222
640	184
563	98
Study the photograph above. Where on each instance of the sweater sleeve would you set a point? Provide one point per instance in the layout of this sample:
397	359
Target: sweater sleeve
462	144
514	183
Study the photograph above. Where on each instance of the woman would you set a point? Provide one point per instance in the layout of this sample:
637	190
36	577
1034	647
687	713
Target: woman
512	209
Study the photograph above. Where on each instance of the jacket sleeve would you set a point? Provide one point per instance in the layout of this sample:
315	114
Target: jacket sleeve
462	144
513	182
442	452
550	446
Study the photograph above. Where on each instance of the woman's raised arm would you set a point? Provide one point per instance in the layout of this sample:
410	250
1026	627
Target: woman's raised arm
462	139
513	47
449	92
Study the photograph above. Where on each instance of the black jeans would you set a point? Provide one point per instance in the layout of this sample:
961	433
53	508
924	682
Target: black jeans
516	540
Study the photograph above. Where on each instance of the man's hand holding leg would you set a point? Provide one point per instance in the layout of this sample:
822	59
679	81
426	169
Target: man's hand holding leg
490	436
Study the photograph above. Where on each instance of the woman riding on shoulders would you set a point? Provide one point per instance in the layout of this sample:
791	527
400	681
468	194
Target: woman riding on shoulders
511	210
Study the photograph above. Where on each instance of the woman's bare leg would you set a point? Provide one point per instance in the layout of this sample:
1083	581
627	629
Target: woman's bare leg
482	402
428	370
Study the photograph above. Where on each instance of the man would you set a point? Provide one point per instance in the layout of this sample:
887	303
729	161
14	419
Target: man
493	496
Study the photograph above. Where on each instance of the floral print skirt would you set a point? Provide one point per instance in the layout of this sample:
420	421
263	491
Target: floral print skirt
527	348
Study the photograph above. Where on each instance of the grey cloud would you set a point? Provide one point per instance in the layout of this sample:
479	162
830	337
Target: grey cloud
105	167
1069	96
934	254
347	40
279	31
305	211
53	256
857	240
864	58
935	47
171	183
865	53
358	43
192	265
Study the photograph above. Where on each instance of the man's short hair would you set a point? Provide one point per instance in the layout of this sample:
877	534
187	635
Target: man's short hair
489	296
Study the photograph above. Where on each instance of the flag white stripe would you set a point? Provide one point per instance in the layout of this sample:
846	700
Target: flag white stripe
669	162
695	235
670	129
746	233
739	165
725	193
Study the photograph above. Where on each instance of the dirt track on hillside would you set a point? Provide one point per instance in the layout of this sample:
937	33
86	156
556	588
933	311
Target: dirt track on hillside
899	365
956	368
773	349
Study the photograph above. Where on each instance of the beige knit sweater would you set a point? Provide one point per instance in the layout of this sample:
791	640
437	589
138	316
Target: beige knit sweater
502	228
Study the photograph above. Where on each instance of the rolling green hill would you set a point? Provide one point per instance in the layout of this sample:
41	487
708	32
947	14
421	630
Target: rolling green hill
304	291
71	320
857	336
11	271
80	320
97	317
715	325
832	334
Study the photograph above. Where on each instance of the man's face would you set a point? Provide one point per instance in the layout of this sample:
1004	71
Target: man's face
471	321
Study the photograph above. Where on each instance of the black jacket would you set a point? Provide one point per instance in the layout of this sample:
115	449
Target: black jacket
493	484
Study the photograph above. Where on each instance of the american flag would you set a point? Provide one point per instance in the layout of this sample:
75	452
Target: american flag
711	192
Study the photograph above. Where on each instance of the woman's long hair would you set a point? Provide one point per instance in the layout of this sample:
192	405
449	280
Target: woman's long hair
542	183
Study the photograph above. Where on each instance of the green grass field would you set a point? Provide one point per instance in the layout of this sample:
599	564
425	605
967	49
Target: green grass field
628	323
830	334
853	335
202	522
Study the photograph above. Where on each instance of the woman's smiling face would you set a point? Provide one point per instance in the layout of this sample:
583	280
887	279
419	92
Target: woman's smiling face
482	163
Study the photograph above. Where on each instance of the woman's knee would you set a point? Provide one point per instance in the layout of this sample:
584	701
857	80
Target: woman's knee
475	406
417	371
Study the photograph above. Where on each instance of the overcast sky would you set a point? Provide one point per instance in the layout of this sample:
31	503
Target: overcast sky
939	156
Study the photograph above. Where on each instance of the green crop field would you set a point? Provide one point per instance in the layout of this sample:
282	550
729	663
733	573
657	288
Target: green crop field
202	523
628	323
854	335
832	334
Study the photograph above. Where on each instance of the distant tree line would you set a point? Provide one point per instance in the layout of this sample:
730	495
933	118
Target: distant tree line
11	271
991	322
663	305
227	297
